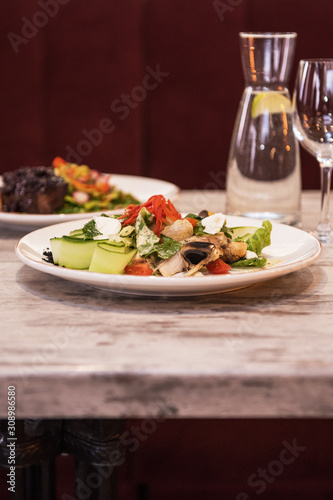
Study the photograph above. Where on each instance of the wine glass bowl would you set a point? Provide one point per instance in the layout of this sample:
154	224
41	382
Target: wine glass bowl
313	126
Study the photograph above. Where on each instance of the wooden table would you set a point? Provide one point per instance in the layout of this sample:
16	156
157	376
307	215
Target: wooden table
77	352
82	360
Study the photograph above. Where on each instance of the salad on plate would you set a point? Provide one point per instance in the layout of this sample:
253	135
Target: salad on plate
88	189
154	239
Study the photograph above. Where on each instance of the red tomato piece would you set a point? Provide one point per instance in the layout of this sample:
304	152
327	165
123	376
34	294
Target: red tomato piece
139	269
194	222
58	161
218	267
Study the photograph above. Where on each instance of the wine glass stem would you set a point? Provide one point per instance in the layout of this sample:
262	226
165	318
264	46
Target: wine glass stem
324	227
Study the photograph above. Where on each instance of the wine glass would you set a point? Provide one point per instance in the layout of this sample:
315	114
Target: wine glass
313	126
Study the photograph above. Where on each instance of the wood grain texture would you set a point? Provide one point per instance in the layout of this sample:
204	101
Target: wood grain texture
75	351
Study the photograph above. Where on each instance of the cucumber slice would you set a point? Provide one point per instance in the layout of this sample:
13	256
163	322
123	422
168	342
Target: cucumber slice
77	233
76	253
110	247
109	261
74	238
243	232
55	249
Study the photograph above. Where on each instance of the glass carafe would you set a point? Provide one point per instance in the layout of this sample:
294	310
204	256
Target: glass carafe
263	172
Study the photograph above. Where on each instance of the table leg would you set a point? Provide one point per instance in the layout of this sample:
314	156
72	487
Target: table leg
98	449
36	445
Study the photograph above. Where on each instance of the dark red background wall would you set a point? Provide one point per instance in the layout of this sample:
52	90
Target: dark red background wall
68	66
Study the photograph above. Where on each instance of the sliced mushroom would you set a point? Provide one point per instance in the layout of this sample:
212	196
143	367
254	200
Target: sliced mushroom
234	251
219	239
179	230
229	251
197	254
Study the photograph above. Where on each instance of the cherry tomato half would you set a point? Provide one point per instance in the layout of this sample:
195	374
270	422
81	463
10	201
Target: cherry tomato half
140	269
218	267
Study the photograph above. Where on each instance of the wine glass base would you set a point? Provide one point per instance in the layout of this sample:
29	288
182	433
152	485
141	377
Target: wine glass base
324	237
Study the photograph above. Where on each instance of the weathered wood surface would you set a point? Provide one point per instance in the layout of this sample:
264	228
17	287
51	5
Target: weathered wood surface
75	351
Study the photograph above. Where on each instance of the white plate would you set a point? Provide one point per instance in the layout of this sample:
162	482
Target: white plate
141	188
292	248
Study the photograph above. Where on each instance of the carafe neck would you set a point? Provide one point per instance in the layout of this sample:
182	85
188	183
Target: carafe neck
267	59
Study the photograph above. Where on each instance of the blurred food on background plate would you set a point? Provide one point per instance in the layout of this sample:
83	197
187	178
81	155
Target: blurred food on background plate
62	187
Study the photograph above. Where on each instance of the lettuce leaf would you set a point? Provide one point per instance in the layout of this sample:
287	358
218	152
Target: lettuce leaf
145	237
253	262
148	243
199	230
168	248
261	238
193	216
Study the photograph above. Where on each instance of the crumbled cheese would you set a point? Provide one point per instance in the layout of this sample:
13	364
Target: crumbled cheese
250	255
107	226
213	223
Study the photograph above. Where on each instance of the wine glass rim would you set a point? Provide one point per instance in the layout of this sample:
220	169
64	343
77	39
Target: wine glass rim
268	34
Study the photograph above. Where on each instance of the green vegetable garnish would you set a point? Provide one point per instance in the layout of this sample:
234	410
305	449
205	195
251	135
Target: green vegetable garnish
145	237
125	237
261	238
193	216
90	230
254	262
167	248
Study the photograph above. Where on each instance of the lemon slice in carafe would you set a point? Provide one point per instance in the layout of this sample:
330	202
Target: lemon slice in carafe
270	102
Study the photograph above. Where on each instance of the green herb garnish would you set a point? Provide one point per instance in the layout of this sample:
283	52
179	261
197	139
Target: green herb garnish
90	230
